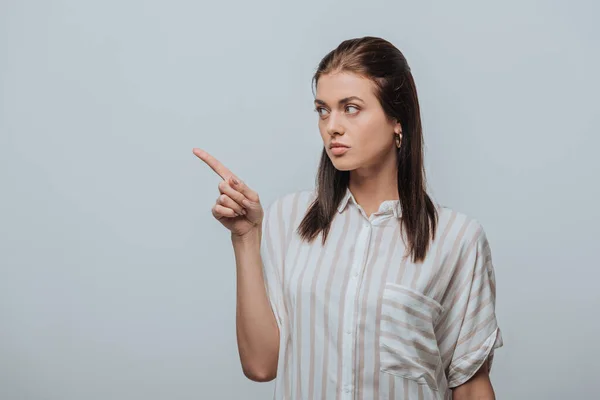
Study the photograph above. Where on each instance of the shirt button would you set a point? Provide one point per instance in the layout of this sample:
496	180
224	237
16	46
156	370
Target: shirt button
347	390
366	224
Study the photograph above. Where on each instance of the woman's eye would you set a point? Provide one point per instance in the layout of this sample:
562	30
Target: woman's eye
319	110
322	111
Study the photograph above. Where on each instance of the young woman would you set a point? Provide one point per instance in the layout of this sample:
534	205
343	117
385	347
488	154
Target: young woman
363	288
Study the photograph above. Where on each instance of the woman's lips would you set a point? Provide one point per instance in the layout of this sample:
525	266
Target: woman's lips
338	151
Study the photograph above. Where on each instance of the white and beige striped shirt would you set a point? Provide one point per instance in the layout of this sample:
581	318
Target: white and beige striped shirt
358	320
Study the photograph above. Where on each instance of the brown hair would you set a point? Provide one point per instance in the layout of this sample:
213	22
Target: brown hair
382	63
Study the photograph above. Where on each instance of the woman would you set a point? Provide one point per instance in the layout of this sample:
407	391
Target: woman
363	288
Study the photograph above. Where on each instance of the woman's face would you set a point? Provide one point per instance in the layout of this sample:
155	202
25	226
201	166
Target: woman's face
350	114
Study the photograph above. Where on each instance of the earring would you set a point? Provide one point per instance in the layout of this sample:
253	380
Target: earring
398	139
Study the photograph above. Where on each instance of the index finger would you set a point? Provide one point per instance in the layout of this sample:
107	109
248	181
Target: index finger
215	164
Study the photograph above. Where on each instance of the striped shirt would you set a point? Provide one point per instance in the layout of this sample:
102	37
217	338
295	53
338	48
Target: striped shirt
359	320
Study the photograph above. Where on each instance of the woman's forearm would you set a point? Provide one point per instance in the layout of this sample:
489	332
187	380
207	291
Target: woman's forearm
479	387
256	327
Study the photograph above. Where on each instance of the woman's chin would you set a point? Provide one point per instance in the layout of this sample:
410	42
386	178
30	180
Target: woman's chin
343	165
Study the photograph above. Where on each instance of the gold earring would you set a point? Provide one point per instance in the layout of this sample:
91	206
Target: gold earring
398	139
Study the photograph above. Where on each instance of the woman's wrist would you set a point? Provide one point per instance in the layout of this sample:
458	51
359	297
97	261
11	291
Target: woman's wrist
250	237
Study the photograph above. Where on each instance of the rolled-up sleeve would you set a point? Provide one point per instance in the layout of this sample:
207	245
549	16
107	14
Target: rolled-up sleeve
479	334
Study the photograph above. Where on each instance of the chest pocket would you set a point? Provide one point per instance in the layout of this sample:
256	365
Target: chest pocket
407	345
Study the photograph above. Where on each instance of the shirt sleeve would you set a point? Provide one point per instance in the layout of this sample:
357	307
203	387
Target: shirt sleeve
272	250
479	334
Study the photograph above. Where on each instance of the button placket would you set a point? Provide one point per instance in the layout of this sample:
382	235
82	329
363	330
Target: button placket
360	254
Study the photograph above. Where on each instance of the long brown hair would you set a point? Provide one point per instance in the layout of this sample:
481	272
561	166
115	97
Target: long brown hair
382	63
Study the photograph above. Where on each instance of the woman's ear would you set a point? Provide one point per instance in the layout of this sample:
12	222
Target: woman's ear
397	127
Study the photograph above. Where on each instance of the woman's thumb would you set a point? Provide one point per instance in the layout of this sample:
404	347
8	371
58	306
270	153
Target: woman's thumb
254	208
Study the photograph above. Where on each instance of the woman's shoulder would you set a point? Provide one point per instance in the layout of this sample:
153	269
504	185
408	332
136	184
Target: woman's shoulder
299	197
454	222
290	203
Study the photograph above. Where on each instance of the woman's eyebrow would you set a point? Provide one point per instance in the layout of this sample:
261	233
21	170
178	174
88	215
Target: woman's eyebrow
341	102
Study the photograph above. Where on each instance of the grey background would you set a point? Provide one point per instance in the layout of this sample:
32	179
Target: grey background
117	283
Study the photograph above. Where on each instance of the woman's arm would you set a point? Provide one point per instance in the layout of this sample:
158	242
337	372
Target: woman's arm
238	208
256	327
479	387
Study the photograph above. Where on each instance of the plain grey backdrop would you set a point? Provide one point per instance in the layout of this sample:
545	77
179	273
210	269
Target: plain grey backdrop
117	283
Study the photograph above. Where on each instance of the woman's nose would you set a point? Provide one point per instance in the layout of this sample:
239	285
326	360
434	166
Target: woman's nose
334	125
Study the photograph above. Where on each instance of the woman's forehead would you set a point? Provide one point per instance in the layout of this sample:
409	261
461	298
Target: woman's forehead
333	87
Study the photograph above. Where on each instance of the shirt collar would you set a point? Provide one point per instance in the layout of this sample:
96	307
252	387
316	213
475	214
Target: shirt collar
393	206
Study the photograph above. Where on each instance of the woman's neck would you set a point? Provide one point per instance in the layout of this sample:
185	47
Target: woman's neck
372	187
